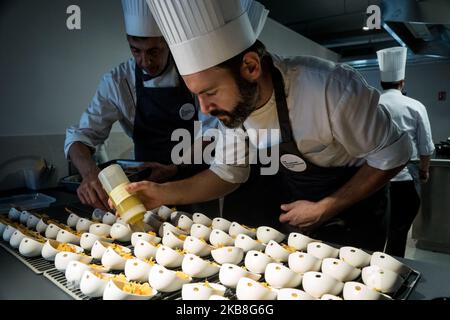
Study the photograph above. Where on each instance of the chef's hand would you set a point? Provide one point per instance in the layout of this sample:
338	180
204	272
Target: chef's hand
91	192
150	193
424	175
160	172
305	215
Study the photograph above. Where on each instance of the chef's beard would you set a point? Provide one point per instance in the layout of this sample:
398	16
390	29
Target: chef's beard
249	94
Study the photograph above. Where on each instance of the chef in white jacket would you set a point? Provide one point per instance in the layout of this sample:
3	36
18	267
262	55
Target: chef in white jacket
145	95
337	147
411	117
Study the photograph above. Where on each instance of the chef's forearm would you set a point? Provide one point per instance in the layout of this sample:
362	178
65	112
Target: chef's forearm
202	187
424	163
81	157
364	183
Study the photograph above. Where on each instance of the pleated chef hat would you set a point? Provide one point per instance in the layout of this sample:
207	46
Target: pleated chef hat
392	62
139	20
204	33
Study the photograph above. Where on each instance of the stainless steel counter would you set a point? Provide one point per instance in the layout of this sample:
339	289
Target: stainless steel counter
431	228
19	282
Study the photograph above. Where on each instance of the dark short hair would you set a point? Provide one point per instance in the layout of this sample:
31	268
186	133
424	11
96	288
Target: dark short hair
234	64
136	38
390	85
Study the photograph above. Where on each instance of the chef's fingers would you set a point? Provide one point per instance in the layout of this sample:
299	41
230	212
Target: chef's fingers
102	196
287	207
285	217
111	204
137	186
81	196
94	201
90	196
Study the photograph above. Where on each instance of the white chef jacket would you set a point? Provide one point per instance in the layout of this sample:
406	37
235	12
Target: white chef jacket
411	117
115	100
335	117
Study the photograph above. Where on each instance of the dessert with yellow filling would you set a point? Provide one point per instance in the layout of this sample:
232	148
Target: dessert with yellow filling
150	261
180	251
66	248
126	255
7	221
118	248
288	248
96	267
36	236
120	278
68	229
182	275
248	228
137	289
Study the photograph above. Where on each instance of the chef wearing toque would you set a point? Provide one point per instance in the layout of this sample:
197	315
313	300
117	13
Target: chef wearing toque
337	147
411	117
145	95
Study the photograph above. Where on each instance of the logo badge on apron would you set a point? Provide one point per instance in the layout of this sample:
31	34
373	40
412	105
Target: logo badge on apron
187	111
293	162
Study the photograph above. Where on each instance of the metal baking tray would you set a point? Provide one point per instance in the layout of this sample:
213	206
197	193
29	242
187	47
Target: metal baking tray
39	265
133	169
26	202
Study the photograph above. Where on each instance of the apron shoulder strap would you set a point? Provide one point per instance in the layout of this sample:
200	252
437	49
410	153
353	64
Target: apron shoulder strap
282	108
138	77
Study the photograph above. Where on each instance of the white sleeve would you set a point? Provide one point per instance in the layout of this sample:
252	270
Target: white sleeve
231	156
425	145
364	127
96	122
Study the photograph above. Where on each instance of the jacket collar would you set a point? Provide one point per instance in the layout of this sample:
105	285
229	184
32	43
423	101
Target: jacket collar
393	91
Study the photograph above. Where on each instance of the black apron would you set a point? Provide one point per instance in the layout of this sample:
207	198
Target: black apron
160	111
257	202
363	225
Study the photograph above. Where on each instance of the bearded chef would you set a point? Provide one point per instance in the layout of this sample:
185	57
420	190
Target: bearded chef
338	147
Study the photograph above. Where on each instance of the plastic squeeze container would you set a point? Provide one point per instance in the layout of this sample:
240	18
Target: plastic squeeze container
128	206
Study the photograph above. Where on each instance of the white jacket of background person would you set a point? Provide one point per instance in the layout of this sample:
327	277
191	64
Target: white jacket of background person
411	117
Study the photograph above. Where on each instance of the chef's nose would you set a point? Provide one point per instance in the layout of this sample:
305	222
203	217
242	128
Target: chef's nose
205	105
145	60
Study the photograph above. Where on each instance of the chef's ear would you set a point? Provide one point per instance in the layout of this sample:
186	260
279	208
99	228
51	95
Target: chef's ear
251	66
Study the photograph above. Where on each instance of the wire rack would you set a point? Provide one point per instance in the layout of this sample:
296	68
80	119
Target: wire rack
41	266
38	265
59	279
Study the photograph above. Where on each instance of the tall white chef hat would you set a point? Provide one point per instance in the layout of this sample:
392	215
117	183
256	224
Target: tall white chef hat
392	62
204	33
139	20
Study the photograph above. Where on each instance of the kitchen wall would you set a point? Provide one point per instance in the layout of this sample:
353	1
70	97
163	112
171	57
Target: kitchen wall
424	82
49	75
283	41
